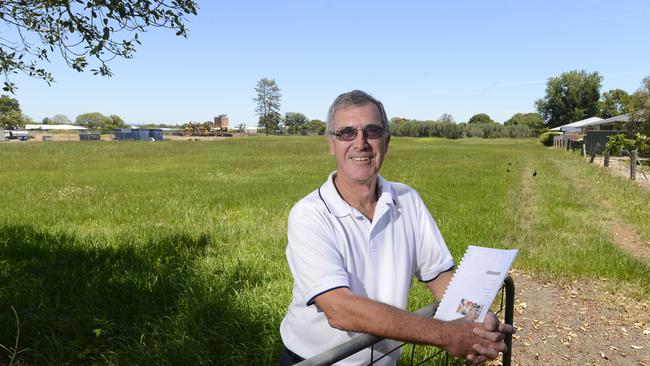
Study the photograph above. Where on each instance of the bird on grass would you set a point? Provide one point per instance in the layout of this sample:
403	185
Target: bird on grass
534	173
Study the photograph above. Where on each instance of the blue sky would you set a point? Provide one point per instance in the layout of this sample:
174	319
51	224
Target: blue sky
421	58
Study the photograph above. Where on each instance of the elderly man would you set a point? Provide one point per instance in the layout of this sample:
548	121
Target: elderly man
355	244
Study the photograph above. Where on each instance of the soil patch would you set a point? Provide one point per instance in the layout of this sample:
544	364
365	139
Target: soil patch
582	323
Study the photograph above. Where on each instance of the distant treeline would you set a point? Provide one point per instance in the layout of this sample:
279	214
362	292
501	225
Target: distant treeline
451	130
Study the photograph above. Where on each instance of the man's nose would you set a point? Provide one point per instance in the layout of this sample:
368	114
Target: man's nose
360	140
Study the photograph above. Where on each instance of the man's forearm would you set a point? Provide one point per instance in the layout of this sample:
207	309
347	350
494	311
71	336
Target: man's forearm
350	312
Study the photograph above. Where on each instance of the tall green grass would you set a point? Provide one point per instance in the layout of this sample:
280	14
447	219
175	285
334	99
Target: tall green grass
173	252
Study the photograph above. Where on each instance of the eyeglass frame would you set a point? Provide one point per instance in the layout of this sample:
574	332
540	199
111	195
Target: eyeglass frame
384	132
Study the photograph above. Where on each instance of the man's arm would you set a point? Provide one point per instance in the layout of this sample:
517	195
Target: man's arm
350	312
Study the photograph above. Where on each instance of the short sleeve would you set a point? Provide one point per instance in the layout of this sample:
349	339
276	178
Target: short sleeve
313	257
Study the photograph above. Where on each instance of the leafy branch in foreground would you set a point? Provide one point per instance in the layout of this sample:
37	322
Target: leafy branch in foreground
13	351
77	28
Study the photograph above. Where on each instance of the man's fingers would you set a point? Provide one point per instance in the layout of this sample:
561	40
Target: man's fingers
491	336
507	328
488	352
476	359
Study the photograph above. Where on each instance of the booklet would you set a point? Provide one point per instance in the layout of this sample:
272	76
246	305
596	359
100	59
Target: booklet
476	282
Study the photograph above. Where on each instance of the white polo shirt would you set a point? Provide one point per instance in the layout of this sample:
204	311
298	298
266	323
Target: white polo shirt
333	245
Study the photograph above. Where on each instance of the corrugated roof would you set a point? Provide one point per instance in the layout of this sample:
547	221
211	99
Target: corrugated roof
620	118
53	127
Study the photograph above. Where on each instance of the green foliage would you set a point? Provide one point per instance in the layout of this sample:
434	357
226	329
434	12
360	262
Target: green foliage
116	122
99	122
547	138
641	142
317	126
533	121
13	120
619	142
8	104
639	105
80	30
268	104
613	103
414	128
479	119
296	122
93	120
570	97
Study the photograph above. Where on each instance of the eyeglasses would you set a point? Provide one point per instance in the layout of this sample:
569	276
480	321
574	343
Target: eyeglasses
350	133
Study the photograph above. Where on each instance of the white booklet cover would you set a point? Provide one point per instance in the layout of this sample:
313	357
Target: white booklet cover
475	284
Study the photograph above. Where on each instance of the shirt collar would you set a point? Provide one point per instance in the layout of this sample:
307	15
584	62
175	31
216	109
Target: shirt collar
337	206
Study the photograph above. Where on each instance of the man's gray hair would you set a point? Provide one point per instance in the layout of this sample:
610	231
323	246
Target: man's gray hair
354	98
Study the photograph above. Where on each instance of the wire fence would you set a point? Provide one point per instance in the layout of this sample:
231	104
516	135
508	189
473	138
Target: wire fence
504	305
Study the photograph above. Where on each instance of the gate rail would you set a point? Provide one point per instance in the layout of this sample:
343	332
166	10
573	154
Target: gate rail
335	354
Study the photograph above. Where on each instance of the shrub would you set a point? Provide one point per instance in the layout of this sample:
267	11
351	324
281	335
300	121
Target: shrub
547	138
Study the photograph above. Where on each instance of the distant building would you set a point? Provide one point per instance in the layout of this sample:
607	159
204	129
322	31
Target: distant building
222	122
138	134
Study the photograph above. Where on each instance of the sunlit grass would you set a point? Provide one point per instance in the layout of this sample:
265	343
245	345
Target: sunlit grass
173	252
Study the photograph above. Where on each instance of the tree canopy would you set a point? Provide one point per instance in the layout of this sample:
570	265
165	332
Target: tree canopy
316	126
268	104
57	119
11	117
100	30
8	104
639	105
613	103
533	120
570	97
296	121
480	118
97	121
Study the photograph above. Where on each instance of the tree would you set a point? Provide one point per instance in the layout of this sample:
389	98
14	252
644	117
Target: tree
78	30
317	126
13	120
60	119
639	105
11	117
532	120
57	119
480	118
116	122
446	118
268	104
295	121
93	121
270	121
613	103
571	97
8	104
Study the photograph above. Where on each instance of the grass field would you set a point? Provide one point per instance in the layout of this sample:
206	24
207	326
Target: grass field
173	252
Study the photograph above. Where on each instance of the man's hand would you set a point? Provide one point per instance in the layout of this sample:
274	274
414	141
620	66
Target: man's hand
492	334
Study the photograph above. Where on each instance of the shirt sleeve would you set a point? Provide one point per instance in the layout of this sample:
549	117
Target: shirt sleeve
315	262
433	256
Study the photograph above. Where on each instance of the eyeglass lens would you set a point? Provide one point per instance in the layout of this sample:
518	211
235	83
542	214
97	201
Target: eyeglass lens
350	133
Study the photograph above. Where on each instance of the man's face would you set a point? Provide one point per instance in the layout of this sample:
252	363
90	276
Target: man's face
358	161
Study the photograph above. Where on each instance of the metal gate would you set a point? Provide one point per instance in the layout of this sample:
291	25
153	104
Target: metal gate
504	303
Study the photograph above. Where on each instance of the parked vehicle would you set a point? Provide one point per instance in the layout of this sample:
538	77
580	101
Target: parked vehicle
16	135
